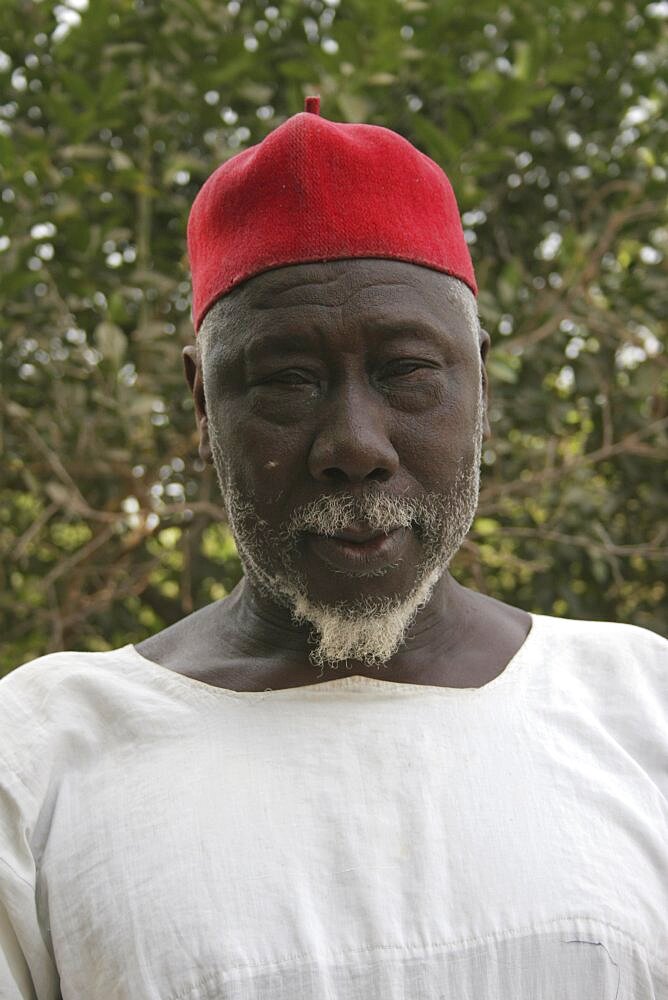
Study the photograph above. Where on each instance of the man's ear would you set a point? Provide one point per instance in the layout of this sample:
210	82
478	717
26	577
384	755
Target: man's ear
485	342
193	372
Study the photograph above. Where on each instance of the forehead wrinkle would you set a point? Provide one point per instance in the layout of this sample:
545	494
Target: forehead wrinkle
266	299
311	281
225	328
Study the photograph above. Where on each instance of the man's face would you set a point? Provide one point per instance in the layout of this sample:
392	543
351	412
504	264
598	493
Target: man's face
345	413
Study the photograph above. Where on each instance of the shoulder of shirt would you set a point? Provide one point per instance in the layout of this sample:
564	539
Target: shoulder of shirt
613	677
604	635
591	627
53	693
605	656
38	676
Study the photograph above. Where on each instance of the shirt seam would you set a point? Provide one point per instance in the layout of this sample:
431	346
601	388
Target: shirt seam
12	766
303	958
17	875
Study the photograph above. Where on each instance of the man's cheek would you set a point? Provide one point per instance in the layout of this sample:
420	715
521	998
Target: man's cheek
271	483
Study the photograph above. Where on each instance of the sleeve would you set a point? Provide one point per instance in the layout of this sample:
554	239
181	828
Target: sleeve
632	695
27	968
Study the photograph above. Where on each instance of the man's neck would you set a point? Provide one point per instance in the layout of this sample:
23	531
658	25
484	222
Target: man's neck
248	642
262	627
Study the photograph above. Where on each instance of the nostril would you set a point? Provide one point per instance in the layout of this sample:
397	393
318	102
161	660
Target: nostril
337	475
353	456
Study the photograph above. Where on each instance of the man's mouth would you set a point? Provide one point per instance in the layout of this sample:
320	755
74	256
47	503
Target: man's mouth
360	534
357	550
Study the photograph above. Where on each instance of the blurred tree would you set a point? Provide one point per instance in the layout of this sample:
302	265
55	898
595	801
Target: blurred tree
549	120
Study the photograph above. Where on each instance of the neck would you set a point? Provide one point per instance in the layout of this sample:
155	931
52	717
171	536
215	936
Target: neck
265	629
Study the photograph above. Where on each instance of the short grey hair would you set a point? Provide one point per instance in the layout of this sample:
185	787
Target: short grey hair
212	328
460	295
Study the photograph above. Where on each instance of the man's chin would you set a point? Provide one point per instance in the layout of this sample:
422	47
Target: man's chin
368	629
365	586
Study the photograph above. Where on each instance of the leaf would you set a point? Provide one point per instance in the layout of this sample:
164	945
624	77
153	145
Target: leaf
522	62
355	108
111	342
486	526
84	151
501	369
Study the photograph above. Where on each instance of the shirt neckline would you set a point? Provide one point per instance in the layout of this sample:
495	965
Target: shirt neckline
352	682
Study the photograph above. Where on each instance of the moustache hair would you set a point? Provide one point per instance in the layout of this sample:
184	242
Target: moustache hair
378	511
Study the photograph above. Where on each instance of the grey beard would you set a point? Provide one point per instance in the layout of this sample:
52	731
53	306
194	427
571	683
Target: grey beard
370	629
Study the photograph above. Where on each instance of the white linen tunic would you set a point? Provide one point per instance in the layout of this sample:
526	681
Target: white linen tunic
357	839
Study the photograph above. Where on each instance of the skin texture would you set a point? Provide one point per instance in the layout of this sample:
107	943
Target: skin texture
340	378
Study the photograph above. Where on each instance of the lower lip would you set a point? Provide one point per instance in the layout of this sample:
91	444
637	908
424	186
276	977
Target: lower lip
351	557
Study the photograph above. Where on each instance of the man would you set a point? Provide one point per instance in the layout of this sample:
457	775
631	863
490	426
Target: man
353	778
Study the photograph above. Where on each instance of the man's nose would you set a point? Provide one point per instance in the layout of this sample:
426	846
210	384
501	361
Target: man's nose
352	443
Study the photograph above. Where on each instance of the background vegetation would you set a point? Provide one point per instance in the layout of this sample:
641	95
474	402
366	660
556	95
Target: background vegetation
550	120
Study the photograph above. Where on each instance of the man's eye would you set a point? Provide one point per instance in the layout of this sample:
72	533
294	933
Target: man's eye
288	377
404	368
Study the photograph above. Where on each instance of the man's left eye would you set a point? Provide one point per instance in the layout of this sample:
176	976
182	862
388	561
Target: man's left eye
399	368
290	377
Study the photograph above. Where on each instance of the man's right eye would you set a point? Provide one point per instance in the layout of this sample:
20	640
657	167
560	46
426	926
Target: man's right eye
289	377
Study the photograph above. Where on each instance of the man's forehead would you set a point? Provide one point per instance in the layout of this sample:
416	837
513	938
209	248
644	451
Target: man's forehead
372	285
367	297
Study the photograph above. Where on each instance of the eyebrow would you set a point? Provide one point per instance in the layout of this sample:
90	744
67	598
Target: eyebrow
389	327
284	338
288	341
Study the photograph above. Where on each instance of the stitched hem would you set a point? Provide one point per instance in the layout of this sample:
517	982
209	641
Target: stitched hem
334	958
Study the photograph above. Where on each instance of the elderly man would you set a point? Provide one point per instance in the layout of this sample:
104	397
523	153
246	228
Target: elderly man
353	778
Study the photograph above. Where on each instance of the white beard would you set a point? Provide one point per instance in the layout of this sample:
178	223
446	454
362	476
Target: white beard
370	634
369	630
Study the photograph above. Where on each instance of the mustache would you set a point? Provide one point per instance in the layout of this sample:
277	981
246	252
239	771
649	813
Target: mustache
376	510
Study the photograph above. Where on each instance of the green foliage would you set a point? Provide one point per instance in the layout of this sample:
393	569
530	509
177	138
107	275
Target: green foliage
549	120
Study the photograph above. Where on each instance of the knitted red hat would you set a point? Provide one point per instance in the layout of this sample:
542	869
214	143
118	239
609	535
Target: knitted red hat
315	190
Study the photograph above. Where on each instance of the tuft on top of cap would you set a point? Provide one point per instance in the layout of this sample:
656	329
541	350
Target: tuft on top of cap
315	190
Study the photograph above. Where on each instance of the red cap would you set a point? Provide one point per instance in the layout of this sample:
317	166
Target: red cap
315	190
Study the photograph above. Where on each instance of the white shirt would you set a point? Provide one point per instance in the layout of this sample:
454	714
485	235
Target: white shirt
358	839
